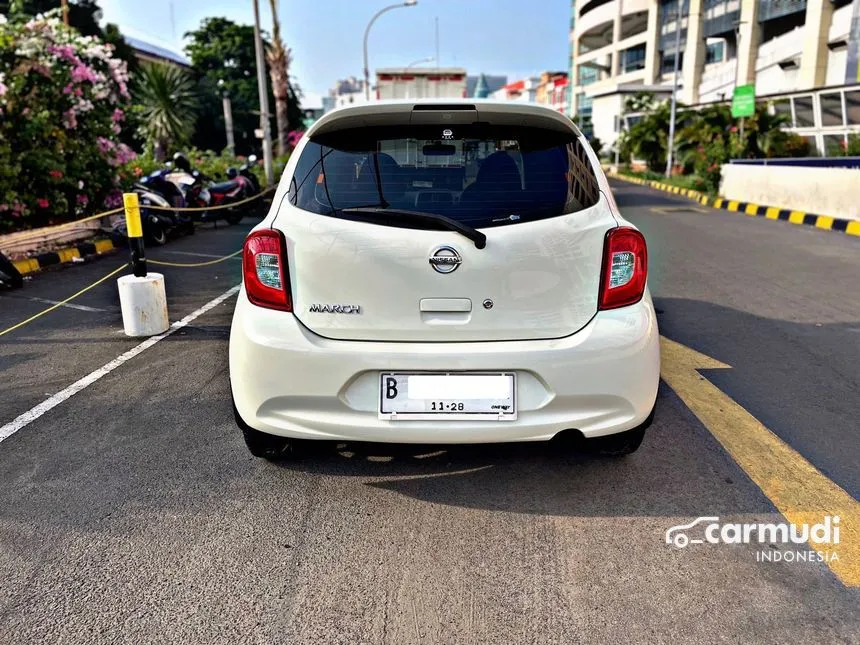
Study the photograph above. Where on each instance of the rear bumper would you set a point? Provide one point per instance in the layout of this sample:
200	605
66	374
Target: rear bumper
288	381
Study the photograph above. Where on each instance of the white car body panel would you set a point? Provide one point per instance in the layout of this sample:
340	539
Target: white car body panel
288	381
547	271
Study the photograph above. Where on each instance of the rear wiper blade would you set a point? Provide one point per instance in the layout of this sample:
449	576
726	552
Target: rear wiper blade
473	234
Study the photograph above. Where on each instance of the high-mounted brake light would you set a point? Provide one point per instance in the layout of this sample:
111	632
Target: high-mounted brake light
625	268
264	267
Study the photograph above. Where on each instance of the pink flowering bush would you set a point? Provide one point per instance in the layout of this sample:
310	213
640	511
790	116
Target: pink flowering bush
63	99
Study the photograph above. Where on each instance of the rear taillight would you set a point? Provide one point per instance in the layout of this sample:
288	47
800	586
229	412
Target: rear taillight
264	266
625	268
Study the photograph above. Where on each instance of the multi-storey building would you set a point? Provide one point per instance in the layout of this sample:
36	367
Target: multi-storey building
550	88
800	54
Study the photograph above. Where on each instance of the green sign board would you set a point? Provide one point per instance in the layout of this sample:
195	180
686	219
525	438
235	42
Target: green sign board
743	101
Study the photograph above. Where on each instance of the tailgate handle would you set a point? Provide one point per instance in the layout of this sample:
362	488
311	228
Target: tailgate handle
445	304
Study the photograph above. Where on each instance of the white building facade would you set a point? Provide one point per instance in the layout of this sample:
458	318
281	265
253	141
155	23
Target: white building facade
800	54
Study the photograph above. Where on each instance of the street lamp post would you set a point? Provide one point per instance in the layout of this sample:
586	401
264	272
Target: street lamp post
671	144
406	3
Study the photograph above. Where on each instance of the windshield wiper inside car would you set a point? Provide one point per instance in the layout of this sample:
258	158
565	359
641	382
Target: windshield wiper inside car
378	213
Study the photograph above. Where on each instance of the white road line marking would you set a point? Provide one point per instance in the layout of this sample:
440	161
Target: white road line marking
198	255
65	304
50	403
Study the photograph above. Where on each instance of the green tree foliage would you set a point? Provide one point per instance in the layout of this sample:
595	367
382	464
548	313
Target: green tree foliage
166	101
221	50
706	138
647	139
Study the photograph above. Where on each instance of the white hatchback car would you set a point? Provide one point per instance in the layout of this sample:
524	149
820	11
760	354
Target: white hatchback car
449	272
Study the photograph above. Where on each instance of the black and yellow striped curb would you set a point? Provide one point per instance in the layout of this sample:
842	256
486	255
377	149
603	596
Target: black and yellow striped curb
847	226
70	254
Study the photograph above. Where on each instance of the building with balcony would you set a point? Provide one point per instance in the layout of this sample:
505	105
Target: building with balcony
800	54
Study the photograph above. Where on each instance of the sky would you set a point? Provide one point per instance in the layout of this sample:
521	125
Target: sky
516	38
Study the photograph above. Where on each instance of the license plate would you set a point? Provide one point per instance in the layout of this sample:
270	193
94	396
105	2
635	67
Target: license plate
452	396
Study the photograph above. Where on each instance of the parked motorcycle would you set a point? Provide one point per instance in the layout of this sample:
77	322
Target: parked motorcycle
157	190
10	278
245	171
201	191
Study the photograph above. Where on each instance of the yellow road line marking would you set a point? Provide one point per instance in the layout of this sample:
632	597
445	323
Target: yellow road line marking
772	213
796	217
798	490
63	302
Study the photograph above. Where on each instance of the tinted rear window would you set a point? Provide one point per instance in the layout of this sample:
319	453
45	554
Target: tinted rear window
479	175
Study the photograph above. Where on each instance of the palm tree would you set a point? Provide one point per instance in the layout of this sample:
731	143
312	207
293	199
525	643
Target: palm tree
278	57
769	135
701	128
168	103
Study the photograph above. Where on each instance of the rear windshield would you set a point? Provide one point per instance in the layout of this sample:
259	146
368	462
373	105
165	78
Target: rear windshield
479	175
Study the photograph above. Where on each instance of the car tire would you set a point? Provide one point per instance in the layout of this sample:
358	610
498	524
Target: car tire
621	443
265	445
234	218
616	445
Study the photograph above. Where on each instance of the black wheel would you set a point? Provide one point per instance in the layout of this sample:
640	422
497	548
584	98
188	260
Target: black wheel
268	446
233	217
617	445
156	235
188	227
9	275
621	443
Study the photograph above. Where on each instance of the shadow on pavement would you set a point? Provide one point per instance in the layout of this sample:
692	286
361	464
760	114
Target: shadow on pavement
158	435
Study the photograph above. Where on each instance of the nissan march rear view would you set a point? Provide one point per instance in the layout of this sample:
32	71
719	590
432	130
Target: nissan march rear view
451	272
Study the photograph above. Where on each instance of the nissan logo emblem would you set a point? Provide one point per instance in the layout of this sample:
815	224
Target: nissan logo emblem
445	259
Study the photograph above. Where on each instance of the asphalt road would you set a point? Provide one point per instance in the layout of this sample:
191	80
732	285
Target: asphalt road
132	513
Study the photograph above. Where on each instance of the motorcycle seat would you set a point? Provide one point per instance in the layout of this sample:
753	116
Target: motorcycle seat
225	187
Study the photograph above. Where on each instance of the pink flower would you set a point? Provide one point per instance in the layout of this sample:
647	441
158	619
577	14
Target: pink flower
81	73
70	121
64	52
124	154
118	115
42	202
68	89
734	128
56	174
105	145
83	200
3	89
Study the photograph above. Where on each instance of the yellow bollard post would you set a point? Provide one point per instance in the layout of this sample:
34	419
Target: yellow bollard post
142	297
134	230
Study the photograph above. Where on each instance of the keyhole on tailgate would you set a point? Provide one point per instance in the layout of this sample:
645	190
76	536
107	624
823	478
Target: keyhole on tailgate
488	304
